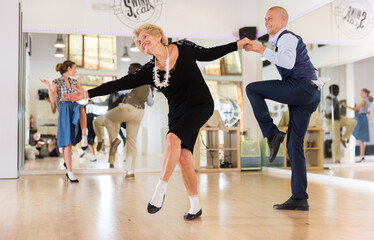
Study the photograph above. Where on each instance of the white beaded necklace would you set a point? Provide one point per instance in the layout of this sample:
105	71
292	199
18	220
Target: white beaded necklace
156	79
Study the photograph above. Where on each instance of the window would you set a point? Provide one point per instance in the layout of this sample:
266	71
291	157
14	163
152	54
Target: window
228	65
232	63
93	52
75	49
90	81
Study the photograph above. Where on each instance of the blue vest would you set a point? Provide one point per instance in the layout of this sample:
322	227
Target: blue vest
303	68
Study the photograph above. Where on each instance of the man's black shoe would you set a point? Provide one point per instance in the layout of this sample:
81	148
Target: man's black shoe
292	204
274	145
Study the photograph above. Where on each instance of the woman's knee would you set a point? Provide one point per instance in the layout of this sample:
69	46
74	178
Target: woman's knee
185	158
173	139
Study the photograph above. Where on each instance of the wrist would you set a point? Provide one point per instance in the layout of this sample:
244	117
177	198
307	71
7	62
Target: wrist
262	50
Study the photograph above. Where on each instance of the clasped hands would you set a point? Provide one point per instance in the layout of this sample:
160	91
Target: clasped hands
77	95
250	45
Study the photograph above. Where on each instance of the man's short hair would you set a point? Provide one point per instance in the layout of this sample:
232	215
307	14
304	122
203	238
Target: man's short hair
283	12
137	65
333	87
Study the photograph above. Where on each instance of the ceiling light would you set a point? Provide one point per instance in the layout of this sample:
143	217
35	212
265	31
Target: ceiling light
134	48
125	57
59	53
59	42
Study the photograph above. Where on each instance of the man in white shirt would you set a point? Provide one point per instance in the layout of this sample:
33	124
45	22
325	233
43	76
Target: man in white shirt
334	121
299	89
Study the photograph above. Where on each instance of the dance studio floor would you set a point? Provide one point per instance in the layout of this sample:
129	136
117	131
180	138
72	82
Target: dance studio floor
152	163
236	205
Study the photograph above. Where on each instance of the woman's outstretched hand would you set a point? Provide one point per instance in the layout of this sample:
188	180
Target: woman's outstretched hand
243	42
254	46
77	95
45	82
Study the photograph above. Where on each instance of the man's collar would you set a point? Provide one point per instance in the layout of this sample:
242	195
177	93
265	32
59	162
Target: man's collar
277	35
332	95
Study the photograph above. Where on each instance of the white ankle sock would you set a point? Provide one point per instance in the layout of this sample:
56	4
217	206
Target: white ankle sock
71	176
84	141
158	195
128	172
195	204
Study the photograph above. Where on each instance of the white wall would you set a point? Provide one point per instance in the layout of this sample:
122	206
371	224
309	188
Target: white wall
9	86
192	18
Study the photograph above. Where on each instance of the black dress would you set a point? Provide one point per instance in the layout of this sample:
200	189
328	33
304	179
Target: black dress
189	98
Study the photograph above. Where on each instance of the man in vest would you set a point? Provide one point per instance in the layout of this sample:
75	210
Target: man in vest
335	121
131	112
112	101
299	89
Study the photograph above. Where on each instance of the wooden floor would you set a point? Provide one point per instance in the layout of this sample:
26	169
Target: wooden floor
235	205
152	163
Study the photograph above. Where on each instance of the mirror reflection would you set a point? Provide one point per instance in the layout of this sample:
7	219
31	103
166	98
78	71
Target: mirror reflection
101	59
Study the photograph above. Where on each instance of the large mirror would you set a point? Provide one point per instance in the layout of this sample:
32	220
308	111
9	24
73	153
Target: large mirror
101	59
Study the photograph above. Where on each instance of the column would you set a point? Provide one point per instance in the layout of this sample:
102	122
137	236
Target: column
252	71
9	85
349	152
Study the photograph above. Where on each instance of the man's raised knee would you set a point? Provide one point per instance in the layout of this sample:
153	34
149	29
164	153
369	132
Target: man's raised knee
249	89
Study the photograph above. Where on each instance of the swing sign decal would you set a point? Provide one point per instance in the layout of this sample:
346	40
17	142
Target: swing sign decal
135	12
354	18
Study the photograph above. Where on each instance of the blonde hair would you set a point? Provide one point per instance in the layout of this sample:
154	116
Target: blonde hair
283	12
152	30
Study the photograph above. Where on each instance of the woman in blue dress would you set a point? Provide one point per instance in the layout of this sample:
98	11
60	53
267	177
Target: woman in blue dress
70	113
361	131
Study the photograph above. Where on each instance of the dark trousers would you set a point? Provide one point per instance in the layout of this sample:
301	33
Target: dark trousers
91	133
123	125
302	100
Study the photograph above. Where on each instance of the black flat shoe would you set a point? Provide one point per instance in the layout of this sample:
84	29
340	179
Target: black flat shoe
189	216
65	165
274	145
292	204
73	181
153	209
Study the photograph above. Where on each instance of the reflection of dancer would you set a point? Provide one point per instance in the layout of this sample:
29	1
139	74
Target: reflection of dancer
175	73
299	88
131	112
91	135
69	113
37	144
334	121
361	131
112	101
